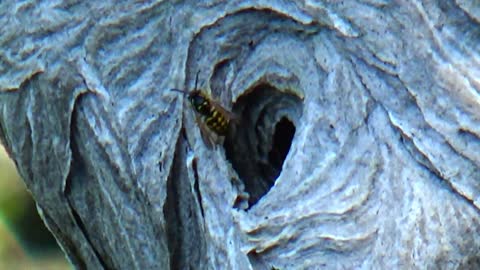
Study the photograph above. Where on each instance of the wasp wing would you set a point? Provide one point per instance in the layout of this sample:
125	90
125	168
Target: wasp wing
205	133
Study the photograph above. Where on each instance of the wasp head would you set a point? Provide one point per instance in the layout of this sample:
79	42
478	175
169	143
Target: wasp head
199	102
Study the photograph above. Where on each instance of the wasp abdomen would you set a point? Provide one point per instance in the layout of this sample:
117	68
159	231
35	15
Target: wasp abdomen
217	122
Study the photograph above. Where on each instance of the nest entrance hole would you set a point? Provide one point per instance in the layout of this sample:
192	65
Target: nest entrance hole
258	144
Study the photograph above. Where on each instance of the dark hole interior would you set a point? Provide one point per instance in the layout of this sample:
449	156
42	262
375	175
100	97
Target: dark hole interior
282	139
259	142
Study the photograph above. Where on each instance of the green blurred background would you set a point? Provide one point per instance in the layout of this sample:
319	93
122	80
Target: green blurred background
25	243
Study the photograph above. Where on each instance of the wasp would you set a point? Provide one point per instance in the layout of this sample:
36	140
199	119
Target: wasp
209	114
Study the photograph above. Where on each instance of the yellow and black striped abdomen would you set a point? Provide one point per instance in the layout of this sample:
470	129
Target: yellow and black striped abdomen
217	122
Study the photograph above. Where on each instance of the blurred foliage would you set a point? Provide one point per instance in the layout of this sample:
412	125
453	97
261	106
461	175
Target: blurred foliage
25	243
